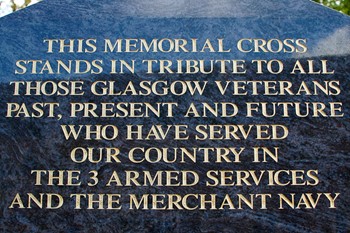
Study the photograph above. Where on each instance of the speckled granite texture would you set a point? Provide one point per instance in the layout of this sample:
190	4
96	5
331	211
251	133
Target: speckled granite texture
313	143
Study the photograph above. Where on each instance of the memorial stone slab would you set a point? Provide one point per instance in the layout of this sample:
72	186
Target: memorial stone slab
175	116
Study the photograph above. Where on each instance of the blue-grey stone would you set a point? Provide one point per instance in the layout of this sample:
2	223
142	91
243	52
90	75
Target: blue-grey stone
314	143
